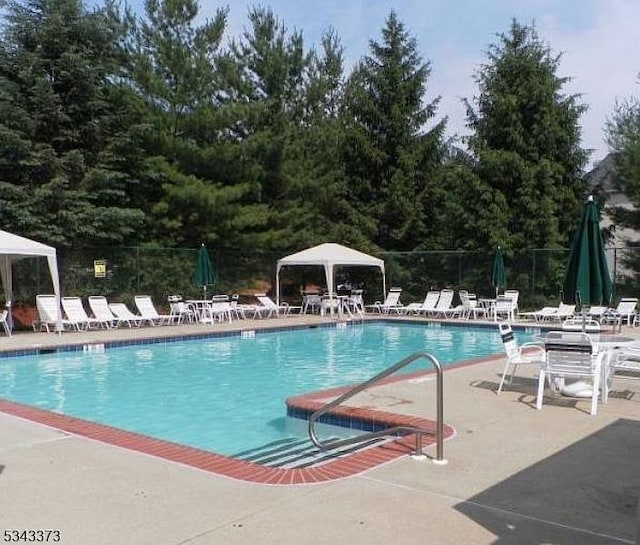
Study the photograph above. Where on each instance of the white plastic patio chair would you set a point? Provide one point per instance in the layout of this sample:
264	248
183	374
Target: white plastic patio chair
269	308
101	311
542	315
526	354
444	307
428	305
181	310
625	365
148	311
514	295
125	316
48	313
390	304
504	308
470	306
625	311
577	323
4	318
570	354
355	301
76	314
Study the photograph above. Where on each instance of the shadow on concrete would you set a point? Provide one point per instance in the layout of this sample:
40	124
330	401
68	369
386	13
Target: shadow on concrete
584	494
1	469
527	388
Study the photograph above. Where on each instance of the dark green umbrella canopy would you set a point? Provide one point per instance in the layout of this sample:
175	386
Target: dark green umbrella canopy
204	275
587	280
498	277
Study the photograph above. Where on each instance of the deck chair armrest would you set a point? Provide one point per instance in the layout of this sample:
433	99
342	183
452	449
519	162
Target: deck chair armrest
533	347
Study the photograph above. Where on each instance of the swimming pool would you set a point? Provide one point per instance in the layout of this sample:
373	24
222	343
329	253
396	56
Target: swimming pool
226	394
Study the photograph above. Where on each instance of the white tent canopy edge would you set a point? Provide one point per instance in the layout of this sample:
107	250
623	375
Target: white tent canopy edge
13	248
329	255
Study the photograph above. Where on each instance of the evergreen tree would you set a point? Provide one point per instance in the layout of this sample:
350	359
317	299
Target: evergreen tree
390	160
194	189
61	128
271	68
316	190
526	140
623	139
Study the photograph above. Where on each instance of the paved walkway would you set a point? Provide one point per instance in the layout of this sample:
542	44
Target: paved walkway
515	475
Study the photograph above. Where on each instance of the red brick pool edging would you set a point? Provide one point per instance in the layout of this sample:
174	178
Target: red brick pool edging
344	466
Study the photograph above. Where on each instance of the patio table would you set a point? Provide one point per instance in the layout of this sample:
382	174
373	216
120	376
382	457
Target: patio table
601	341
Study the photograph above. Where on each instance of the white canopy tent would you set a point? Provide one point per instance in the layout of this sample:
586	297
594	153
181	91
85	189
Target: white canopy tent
329	256
14	247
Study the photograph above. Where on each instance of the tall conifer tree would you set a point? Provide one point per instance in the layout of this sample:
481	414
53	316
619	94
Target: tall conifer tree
526	140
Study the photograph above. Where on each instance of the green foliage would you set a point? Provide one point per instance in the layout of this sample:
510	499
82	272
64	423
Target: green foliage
59	125
388	158
526	140
623	138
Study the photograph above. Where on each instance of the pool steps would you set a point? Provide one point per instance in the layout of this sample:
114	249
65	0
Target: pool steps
295	452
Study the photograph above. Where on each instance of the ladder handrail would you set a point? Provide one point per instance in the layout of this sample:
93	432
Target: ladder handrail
391	430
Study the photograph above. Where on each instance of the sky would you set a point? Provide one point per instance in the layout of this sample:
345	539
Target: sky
598	41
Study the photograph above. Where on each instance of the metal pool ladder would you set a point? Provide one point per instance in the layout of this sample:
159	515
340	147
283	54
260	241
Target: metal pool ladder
419	432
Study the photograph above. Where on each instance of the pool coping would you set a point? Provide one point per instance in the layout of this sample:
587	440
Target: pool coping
344	466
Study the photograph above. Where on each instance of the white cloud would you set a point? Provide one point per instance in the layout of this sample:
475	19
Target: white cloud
602	60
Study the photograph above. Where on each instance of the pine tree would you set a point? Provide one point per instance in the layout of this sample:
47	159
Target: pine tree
195	186
61	126
526	141
390	159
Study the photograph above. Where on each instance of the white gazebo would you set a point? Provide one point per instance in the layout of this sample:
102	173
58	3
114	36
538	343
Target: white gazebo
329	256
14	247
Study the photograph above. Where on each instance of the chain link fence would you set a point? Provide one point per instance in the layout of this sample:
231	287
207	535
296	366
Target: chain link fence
161	272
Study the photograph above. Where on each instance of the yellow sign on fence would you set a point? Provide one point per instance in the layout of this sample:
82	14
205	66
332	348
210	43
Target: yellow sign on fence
100	268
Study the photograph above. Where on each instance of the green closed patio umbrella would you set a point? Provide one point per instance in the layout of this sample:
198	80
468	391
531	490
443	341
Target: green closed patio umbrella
587	280
498	277
204	275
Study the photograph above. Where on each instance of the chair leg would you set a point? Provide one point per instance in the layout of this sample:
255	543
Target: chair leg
504	375
541	380
595	393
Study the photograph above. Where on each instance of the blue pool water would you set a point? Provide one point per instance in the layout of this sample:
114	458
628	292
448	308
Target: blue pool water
226	394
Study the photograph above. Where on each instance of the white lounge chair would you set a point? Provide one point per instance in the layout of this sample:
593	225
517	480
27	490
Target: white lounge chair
625	311
542	315
76	314
269	308
125	316
390	304
101	311
534	354
427	306
48	313
444	307
148	311
577	323
597	312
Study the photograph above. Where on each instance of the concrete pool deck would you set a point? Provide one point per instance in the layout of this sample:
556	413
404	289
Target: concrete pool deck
515	475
